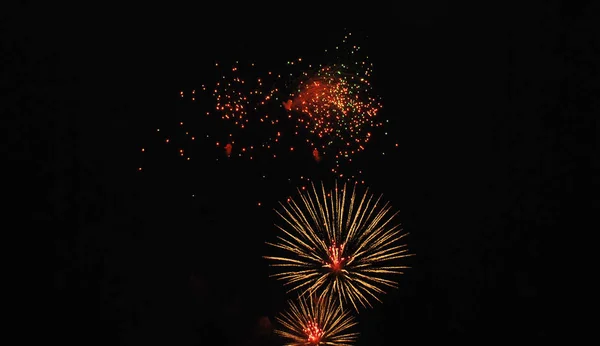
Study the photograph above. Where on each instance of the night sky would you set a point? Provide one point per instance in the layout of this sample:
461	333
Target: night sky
487	105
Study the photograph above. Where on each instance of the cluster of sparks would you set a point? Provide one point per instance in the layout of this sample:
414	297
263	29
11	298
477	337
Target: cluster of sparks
240	100
337	106
316	321
339	244
330	107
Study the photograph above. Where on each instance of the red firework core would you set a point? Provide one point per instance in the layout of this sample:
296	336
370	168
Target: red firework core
336	261
313	332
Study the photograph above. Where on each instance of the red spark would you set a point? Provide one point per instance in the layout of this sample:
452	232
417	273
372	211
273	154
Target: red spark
313	332
336	260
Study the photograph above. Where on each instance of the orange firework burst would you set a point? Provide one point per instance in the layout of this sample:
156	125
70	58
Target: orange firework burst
266	111
340	244
316	321
337	106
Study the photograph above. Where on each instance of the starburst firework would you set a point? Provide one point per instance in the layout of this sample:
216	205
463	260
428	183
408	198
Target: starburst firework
316	321
340	244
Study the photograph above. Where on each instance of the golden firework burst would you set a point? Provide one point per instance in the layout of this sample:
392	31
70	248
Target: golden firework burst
339	244
316	321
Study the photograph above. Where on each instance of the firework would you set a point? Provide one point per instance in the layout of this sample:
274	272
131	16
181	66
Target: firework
248	100
241	97
323	110
337	107
316	321
340	244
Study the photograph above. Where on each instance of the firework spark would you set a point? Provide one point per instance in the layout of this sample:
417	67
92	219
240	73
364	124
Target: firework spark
337	107
238	98
316	321
338	243
322	107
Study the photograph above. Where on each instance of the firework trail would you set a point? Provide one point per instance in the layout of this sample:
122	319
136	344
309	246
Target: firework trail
337	243
316	321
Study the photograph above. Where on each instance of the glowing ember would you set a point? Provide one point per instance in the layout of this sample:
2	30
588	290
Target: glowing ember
313	332
336	260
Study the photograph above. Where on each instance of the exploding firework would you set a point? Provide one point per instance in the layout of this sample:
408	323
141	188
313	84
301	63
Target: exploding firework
340	244
316	321
313	114
338	108
332	106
